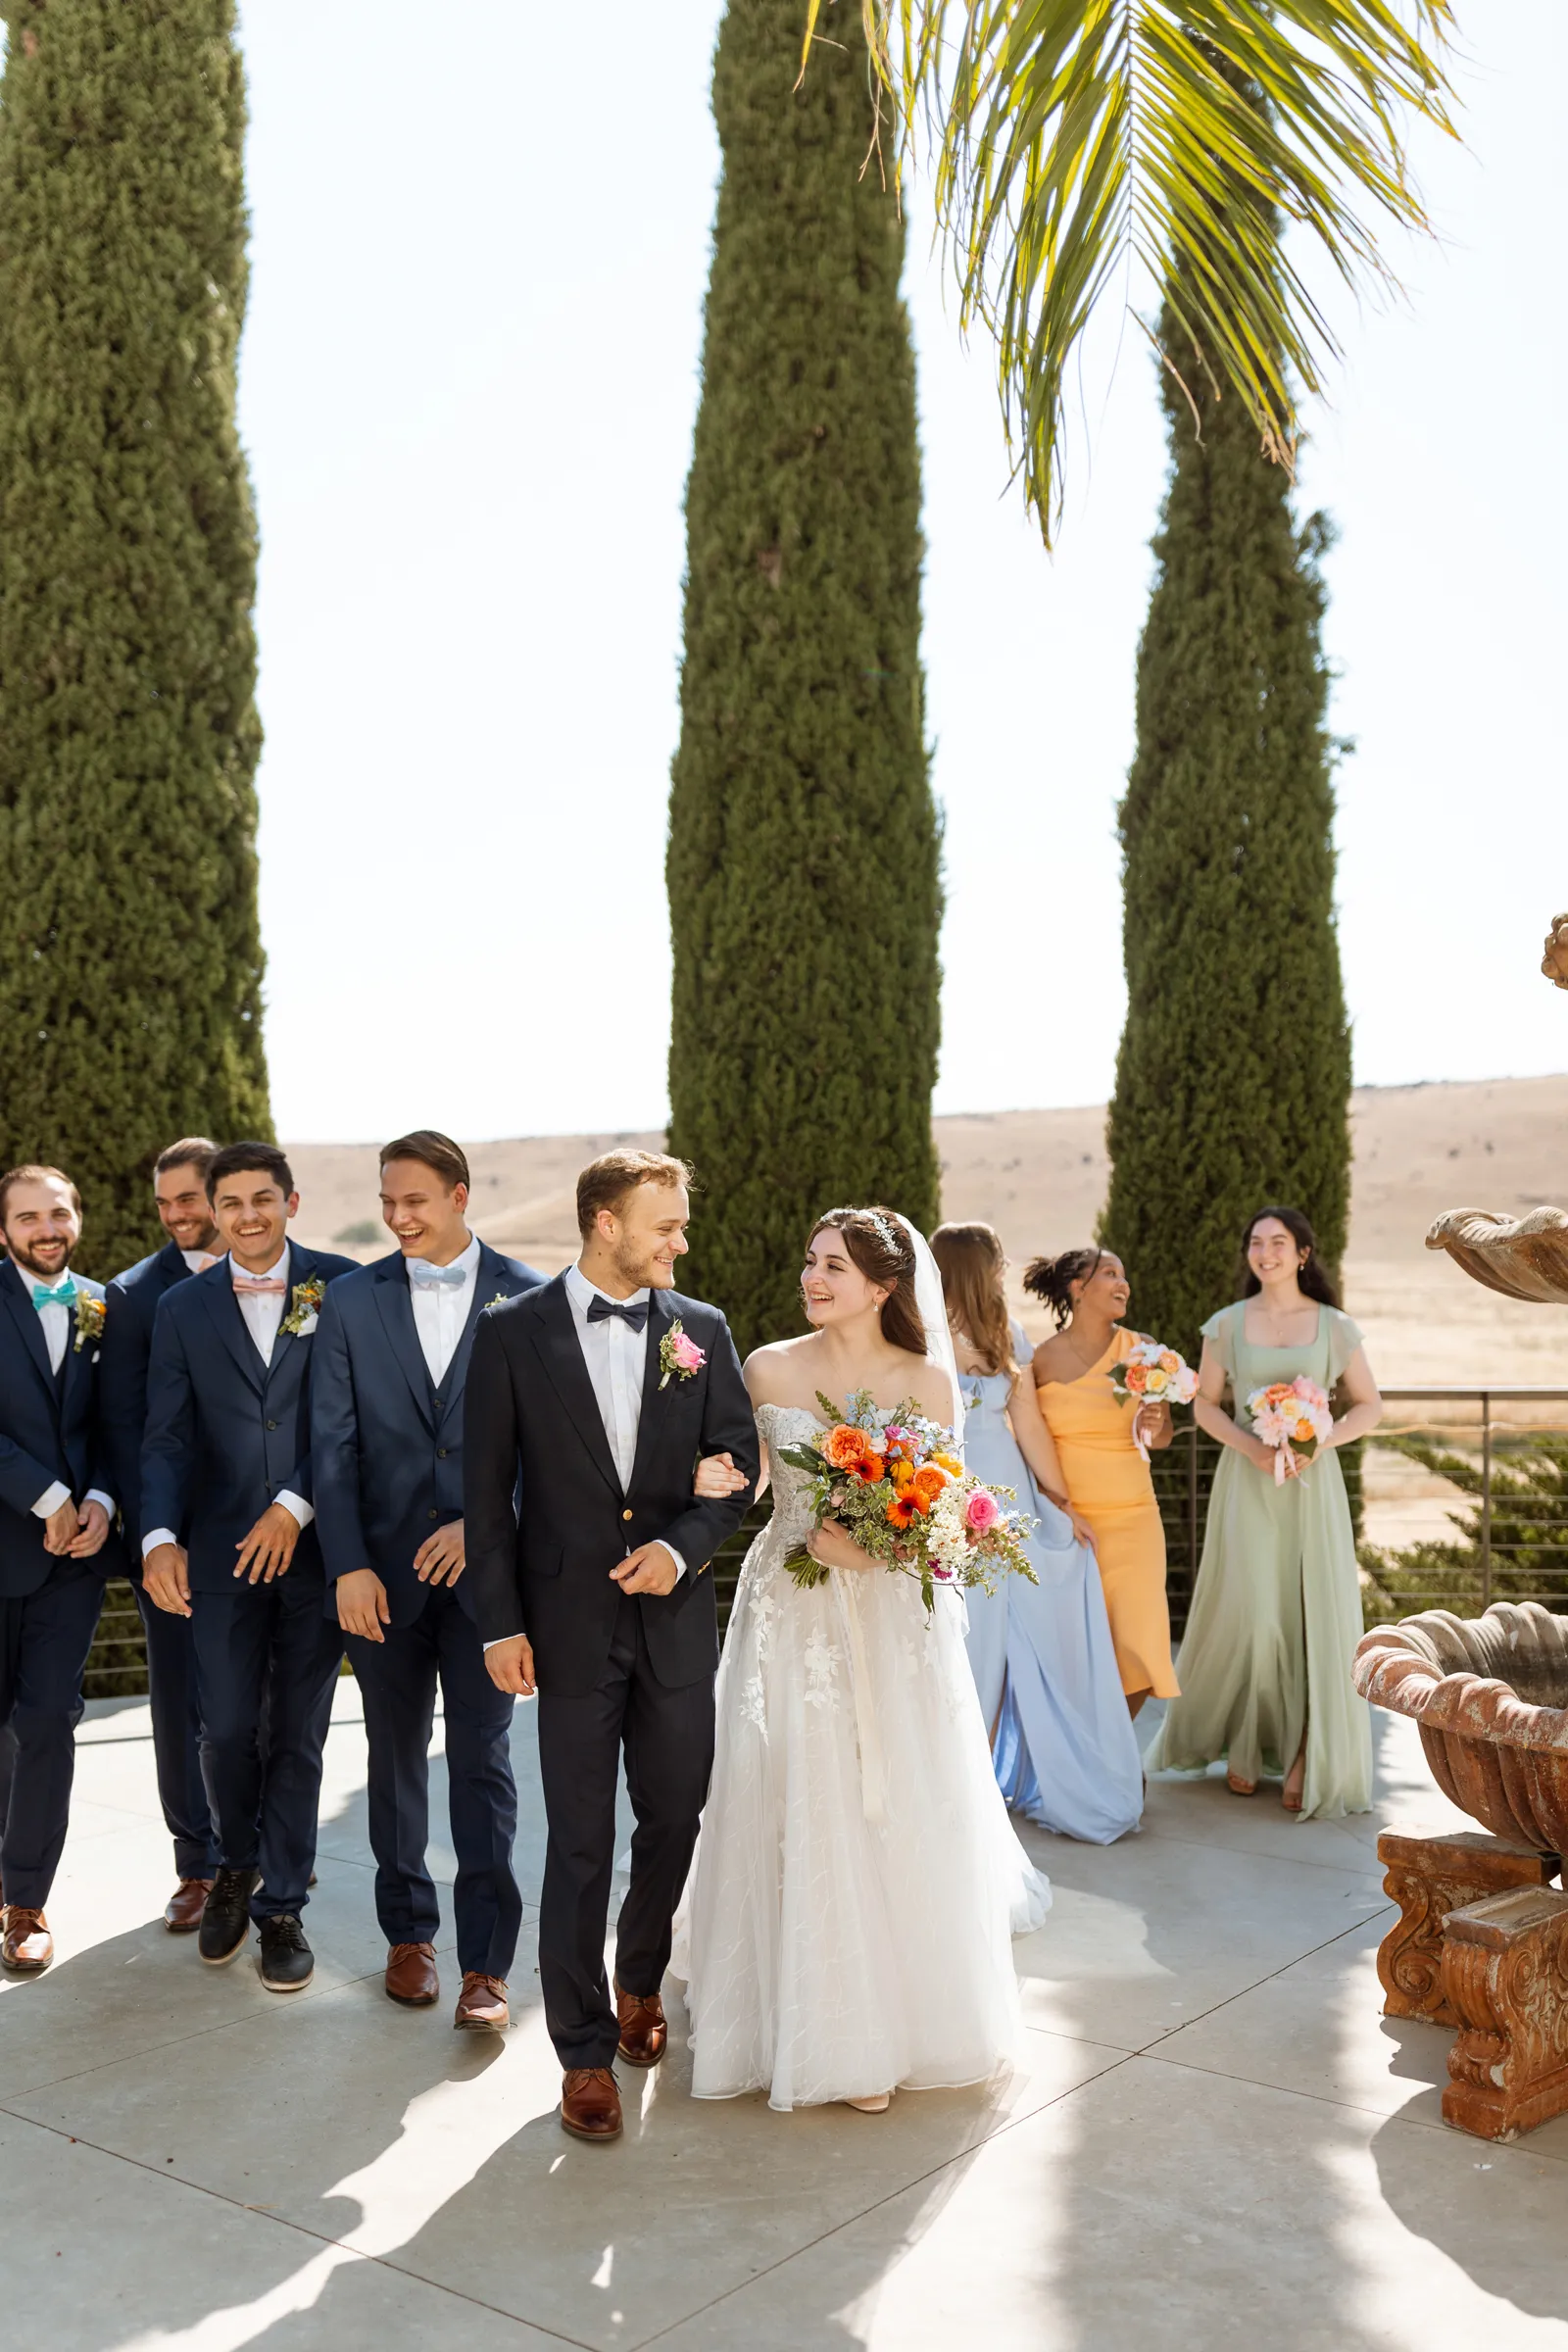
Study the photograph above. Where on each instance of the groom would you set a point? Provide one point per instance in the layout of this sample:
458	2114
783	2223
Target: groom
589	1402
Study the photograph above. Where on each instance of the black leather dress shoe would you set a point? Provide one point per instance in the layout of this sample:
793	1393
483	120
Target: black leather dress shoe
227	1916
288	1961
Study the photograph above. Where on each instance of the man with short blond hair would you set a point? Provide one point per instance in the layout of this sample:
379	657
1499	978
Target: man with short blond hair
589	1403
180	1196
56	1513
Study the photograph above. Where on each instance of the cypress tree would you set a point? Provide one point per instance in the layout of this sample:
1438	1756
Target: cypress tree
130	963
1234	1075
804	845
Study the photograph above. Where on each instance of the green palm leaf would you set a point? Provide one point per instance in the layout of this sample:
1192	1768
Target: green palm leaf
1071	137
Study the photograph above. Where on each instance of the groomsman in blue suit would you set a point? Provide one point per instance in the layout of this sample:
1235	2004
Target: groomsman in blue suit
55	1513
180	1195
229	1543
387	1420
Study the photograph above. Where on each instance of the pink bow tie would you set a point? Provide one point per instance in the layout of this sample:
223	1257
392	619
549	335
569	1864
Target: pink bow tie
260	1286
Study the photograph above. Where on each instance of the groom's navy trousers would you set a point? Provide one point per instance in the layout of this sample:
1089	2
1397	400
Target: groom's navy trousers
546	1519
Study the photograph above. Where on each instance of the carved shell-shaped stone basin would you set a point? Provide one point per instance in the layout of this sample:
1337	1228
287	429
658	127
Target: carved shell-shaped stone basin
1490	1695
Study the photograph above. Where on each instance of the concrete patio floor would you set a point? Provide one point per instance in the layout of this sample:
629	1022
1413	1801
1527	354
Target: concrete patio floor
1211	2137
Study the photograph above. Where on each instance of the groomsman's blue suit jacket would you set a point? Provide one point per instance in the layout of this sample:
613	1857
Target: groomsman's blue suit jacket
387	1444
225	1433
131	1299
48	1431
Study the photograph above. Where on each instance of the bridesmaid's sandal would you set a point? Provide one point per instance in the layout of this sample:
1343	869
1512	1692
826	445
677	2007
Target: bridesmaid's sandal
877	2106
1239	1787
1294	1781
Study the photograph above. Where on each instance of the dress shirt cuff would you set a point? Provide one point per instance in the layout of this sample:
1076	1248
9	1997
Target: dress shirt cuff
303	1511
97	1494
159	1534
680	1564
50	1499
500	1638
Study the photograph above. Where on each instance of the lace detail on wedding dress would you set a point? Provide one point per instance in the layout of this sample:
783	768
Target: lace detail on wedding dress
855	1853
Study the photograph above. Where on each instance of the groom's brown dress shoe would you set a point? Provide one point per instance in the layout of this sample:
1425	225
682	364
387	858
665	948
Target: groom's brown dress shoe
590	2103
411	1976
27	1946
644	2034
482	2003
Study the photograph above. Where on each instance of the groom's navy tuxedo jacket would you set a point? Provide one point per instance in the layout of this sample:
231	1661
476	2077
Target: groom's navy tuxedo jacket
387	1444
48	1431
225	1433
133	1300
543	1568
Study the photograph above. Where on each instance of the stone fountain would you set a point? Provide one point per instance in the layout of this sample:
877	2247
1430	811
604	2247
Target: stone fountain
1481	1940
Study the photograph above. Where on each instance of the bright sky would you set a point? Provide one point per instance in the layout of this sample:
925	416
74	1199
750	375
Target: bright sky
467	389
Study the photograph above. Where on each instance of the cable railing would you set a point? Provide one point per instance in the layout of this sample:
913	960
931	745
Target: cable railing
1505	1481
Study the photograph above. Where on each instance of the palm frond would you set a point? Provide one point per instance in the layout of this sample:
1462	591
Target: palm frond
1069	137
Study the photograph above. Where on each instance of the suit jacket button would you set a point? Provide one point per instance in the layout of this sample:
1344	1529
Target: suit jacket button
432	1514
440	1453
626	1514
271	1425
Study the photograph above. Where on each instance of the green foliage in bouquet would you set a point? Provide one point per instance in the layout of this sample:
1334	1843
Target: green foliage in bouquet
804	844
1529	1535
1234	1075
131	960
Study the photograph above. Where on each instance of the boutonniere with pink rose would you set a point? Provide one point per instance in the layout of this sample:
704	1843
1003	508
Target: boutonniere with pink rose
679	1356
91	1316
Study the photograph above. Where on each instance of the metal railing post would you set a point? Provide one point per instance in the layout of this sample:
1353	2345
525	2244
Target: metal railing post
1485	1499
1191	1509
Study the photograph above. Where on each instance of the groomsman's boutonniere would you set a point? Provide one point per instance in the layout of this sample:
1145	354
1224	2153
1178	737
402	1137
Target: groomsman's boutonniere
305	1306
679	1355
91	1316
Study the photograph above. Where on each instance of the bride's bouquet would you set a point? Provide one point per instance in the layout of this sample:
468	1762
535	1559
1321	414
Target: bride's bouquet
1150	1374
896	1490
1294	1417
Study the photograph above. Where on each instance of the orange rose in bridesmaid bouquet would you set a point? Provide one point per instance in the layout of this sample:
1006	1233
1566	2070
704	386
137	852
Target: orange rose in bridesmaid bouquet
1136	1379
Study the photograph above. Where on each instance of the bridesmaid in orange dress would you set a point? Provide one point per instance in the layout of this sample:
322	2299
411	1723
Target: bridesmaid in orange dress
1108	1479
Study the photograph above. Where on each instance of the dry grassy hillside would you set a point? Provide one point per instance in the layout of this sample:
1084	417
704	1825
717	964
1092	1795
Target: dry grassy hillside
1040	1176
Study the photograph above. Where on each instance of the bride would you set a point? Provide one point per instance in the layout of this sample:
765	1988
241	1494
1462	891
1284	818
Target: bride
848	1918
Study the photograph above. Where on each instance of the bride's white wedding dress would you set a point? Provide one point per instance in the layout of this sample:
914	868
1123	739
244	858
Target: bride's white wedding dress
847	1926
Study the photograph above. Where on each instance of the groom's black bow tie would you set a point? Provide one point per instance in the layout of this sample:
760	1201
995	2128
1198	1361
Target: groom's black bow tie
600	1310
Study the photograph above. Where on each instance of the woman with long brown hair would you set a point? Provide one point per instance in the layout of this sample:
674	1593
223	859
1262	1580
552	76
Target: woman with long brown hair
1104	1444
1265	1664
1043	1658
856	1875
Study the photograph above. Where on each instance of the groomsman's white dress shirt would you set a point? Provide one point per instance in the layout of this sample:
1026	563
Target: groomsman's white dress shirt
441	1306
616	1357
263	1312
54	1321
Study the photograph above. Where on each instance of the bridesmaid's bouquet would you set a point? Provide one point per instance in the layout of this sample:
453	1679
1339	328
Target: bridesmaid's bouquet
1294	1417
1150	1374
899	1491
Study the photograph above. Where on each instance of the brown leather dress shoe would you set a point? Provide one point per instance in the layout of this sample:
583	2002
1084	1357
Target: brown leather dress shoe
411	1975
644	2034
182	1913
27	1945
590	2103
482	2003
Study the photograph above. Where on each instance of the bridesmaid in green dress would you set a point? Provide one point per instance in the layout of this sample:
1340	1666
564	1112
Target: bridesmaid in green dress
1265	1664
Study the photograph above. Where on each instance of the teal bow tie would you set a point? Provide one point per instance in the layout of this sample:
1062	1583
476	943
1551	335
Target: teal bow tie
65	1296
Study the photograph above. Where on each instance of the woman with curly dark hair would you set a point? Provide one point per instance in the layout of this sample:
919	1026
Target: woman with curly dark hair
1102	1443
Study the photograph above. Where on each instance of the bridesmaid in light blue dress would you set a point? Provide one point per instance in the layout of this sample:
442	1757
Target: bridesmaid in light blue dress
1062	1741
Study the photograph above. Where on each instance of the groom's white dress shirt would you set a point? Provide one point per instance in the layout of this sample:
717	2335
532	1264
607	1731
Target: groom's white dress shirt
263	1312
441	1308
54	1322
616	1357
